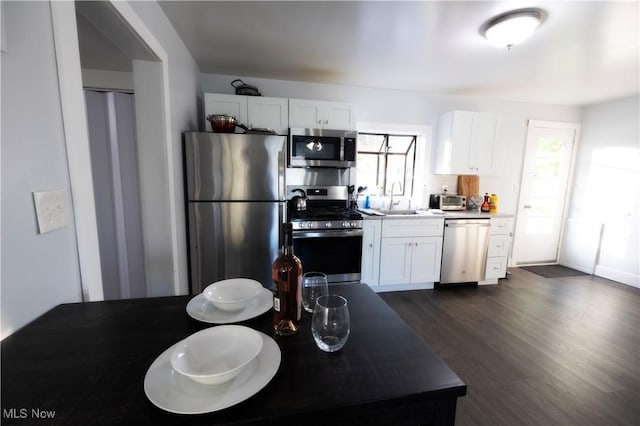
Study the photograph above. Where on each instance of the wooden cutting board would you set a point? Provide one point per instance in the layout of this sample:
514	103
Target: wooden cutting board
469	185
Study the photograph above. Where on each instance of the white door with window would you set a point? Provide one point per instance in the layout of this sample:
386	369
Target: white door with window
543	191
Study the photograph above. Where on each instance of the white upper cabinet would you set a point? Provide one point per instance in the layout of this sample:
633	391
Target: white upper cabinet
253	111
235	106
268	113
468	143
321	114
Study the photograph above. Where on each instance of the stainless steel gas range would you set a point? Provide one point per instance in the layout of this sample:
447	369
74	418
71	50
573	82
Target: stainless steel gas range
327	235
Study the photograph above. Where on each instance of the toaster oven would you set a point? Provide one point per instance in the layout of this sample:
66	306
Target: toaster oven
447	202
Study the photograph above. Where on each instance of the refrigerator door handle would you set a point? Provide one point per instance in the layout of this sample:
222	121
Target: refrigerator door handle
282	167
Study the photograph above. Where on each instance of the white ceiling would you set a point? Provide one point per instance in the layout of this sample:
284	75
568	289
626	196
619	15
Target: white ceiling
584	52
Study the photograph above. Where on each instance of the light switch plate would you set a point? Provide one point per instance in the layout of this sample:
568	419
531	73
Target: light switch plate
51	209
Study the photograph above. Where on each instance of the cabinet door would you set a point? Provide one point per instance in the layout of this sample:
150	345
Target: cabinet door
501	225
305	113
425	259
268	113
370	269
496	268
338	116
484	148
233	105
462	136
498	245
455	135
395	260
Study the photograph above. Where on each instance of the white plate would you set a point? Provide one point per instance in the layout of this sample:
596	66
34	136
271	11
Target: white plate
178	394
201	309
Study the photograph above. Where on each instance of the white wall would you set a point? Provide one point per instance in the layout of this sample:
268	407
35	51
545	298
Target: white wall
184	102
39	271
607	185
422	109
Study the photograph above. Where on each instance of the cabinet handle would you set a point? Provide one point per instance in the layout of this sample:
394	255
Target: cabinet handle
326	121
416	244
370	245
319	121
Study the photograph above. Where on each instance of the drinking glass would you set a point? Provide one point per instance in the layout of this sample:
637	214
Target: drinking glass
314	285
331	324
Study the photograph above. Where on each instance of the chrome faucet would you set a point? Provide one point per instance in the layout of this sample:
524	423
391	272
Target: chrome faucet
391	204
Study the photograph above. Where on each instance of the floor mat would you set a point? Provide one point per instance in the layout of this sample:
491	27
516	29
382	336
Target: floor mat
553	271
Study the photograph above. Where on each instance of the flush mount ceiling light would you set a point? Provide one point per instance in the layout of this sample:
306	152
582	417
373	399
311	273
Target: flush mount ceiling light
512	28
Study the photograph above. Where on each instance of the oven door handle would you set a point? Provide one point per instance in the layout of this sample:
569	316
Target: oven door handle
328	233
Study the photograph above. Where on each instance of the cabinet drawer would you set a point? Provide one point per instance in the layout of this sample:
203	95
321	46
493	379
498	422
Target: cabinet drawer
500	225
496	268
498	245
412	227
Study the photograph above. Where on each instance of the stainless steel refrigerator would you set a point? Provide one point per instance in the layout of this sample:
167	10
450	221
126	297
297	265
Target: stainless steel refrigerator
235	200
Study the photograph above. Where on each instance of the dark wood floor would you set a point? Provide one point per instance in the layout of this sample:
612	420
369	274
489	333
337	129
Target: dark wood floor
534	350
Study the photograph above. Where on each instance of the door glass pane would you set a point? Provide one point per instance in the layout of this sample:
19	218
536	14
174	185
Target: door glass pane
549	148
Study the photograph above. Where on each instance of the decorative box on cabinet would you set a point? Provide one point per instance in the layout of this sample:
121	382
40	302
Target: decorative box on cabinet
410	251
468	143
500	236
258	112
321	114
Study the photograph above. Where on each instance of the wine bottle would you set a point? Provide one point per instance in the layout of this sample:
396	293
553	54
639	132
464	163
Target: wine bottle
287	288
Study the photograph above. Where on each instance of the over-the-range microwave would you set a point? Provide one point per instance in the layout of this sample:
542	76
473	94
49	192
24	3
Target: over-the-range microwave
322	148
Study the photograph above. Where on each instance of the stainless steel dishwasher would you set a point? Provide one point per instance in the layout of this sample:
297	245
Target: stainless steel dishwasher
464	250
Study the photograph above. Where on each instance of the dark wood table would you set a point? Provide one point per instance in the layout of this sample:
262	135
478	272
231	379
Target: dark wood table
86	362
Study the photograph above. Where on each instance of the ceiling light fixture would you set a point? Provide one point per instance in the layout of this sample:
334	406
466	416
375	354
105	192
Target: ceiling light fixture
511	28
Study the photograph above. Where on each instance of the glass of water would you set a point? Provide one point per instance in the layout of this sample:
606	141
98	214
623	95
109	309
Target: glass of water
331	324
314	285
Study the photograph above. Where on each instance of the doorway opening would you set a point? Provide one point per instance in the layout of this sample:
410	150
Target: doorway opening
118	23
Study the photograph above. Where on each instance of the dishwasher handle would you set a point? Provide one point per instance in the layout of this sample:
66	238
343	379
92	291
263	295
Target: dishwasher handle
467	222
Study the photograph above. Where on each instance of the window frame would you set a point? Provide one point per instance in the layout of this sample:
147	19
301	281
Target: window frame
382	155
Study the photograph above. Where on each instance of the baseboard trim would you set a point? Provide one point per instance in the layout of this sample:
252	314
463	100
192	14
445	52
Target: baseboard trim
618	276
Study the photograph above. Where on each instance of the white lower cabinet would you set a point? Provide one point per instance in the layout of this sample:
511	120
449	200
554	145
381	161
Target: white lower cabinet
500	236
410	251
370	268
405	260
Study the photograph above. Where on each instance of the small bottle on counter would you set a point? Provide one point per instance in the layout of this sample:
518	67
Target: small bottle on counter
485	207
493	203
287	291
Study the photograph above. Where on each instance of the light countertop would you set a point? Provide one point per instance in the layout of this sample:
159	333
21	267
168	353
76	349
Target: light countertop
430	214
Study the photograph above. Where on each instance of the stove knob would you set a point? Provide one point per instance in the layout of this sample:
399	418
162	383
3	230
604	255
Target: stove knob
310	225
327	225
345	224
352	224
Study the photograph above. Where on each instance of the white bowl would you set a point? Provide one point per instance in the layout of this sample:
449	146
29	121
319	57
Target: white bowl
232	294
217	354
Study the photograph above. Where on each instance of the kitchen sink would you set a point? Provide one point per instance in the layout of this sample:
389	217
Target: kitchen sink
398	212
